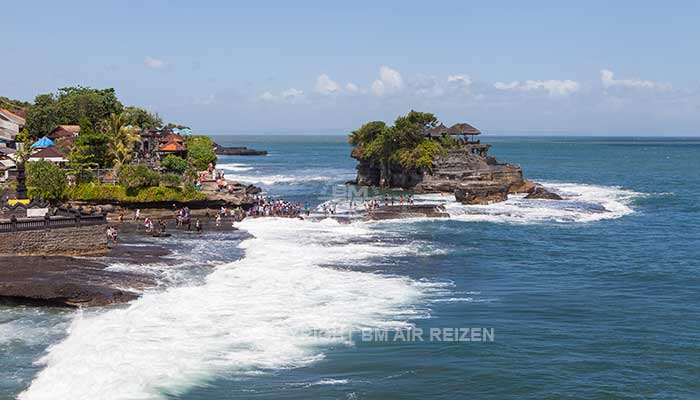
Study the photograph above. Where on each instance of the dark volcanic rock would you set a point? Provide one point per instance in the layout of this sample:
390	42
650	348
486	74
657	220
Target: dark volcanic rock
481	192
237	151
538	192
64	281
479	179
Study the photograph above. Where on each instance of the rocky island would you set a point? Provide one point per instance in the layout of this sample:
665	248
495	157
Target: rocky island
420	155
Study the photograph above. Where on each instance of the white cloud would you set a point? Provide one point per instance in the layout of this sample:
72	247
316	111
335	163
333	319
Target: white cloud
461	83
351	88
461	79
607	79
153	63
390	81
426	86
326	85
291	95
267	96
552	87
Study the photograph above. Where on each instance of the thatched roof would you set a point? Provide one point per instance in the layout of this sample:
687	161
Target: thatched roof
437	131
463	129
456	129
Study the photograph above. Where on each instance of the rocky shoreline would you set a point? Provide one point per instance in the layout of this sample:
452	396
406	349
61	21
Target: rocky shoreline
74	282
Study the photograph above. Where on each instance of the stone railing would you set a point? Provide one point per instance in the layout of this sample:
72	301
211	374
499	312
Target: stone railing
78	220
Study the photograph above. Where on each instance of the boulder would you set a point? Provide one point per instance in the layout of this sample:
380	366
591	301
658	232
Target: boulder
539	192
481	193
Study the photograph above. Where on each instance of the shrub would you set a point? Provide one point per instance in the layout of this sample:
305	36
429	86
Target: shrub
83	176
174	163
117	193
46	181
171	180
96	192
134	177
200	152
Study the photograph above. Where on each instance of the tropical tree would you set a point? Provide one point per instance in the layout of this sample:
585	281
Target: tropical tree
71	105
121	139
141	118
46	181
91	149
200	152
402	144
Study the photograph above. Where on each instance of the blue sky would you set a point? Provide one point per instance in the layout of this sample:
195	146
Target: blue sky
508	67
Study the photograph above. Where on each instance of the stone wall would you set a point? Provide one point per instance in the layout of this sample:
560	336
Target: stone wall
88	240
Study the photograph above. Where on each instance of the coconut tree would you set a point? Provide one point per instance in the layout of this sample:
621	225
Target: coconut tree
121	139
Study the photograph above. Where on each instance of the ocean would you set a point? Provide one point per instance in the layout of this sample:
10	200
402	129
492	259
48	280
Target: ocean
593	297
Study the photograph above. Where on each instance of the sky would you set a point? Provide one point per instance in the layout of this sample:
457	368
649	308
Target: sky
506	67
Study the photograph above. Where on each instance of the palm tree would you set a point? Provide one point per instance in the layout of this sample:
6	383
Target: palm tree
121	139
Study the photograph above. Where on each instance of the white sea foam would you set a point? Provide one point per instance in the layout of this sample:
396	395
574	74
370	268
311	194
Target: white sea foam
582	203
276	178
247	317
234	167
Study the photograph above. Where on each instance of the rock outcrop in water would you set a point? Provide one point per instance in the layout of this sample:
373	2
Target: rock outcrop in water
237	151
419	155
473	178
539	192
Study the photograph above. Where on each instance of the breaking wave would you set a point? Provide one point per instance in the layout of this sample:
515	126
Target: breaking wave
276	179
234	167
581	203
250	316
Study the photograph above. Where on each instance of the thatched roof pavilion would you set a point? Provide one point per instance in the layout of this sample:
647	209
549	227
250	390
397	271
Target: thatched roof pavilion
463	129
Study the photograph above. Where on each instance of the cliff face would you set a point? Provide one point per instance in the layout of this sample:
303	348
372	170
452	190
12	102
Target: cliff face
474	179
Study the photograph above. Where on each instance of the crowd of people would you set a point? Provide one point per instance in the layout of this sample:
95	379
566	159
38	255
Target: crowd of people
269	207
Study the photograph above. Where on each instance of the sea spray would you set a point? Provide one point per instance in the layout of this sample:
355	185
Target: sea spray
245	318
581	203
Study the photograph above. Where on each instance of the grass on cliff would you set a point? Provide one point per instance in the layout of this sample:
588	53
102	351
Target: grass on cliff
118	193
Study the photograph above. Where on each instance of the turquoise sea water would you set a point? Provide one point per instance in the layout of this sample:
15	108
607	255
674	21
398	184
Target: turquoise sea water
595	297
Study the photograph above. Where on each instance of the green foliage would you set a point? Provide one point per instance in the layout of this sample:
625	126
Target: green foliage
134	177
171	180
141	118
121	139
71	105
401	143
200	152
42	117
91	149
178	126
118	193
45	180
450	142
23	136
84	176
172	162
14	106
420	156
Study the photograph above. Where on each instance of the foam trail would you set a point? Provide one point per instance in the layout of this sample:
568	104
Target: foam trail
582	203
248	317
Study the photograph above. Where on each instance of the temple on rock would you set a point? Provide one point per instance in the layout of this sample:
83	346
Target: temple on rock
462	132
